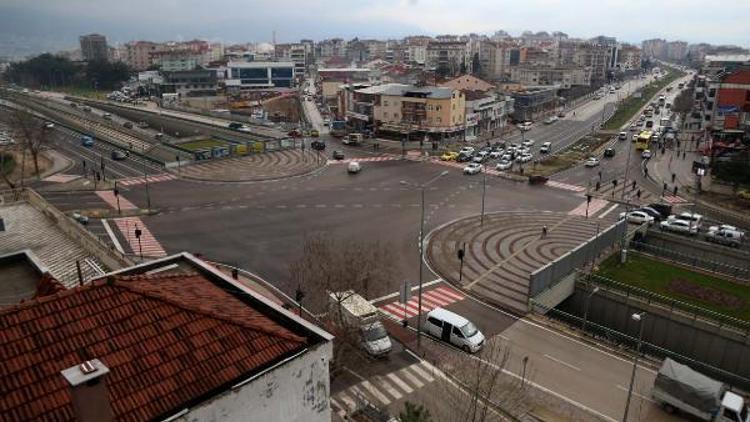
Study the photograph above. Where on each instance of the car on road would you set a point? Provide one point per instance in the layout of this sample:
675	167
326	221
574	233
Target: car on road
609	152
695	218
454	329
449	156
725	235
496	154
525	126
338	155
546	148
646	154
679	226
463	157
128	125
633	127
119	155
353	167
549	120
473	168
561	114
637	217
622	136
528	143
467	150
664	209
318	145
49	125
80	218
326	122
87	141
591	162
5	139
652	212
314	133
107	116
503	165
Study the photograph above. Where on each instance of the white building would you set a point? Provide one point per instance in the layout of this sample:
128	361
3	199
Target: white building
260	75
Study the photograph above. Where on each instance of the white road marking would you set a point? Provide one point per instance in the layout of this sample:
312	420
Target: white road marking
554	359
422	373
375	392
414	288
414	380
609	210
388	388
400	383
112	236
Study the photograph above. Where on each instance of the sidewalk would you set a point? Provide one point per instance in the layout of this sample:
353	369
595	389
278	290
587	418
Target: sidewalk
675	168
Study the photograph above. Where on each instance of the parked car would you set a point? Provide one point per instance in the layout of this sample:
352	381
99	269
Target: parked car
528	143
87	141
503	165
549	120
449	156
525	126
506	157
128	125
467	150
633	127
353	167
524	158
679	226
546	148
725	235
481	157
652	212
561	114
318	145
646	154
463	157
454	329
314	133
338	155
107	116
591	162
496	154
473	168
637	217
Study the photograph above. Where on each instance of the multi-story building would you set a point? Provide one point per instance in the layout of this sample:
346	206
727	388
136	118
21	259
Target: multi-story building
563	76
676	51
629	57
190	83
448	57
468	83
486	113
335	47
259	75
94	47
416	49
654	48
414	111
176	60
586	54
295	53
722	63
138	54
532	101
723	102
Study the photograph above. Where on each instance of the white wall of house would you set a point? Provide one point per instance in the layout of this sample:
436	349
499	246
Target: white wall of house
296	391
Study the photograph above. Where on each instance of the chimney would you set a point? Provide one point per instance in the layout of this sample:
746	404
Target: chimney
88	389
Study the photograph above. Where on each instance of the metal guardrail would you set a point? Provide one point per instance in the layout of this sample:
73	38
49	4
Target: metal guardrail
693	261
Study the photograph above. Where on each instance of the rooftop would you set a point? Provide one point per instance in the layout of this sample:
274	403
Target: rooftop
407	90
170	340
727	58
21	274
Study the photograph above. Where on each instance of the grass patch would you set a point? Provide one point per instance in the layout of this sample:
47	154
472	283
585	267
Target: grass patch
7	163
584	148
631	105
79	91
713	293
202	144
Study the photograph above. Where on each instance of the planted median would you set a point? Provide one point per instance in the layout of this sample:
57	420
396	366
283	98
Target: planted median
631	105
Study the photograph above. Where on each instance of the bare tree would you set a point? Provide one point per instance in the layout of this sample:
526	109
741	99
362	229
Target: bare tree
31	135
480	388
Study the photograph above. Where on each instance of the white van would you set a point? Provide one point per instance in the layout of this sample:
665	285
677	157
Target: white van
354	167
454	329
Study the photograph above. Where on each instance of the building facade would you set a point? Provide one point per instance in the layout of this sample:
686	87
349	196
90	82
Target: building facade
190	83
448	57
564	76
94	47
260	75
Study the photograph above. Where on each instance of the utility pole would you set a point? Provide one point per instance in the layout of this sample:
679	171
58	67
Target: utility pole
148	192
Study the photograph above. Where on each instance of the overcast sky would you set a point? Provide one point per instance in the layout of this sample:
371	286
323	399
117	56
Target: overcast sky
56	24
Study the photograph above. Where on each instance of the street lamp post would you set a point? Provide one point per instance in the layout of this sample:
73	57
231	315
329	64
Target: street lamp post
484	192
586	308
421	251
638	317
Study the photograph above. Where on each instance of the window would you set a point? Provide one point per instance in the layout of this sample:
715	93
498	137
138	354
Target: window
439	120
711	92
385	103
434	321
438	108
385	114
457	332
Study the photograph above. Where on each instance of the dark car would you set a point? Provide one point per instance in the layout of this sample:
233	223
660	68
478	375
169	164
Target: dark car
462	158
652	212
338	155
609	152
119	155
664	209
318	145
235	125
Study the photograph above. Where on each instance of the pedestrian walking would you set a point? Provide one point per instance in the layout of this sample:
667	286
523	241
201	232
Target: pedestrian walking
544	232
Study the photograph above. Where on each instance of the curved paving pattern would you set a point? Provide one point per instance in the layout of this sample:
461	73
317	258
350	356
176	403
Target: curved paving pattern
269	165
501	256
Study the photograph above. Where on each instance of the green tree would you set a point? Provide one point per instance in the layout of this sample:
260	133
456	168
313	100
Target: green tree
735	171
414	413
102	74
43	70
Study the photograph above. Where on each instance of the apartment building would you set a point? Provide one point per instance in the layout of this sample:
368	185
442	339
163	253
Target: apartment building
722	102
259	75
654	48
447	56
138	54
94	47
676	51
486	113
629	57
563	76
295	53
335	47
176	60
415	111
468	83
190	83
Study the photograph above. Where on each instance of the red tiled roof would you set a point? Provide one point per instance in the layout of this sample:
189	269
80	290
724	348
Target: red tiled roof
167	340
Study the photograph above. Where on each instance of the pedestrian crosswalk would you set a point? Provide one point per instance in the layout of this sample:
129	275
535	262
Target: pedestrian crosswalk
433	298
565	186
145	244
674	199
454	164
109	197
61	178
384	389
595	206
140	180
366	159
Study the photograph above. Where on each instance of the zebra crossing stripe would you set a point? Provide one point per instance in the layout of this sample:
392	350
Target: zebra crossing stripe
375	392
566	186
440	296
450	292
109	197
388	388
412	376
134	181
422	372
399	382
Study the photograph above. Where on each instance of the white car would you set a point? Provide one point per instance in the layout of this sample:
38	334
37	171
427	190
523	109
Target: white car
550	120
723	227
454	329
495	154
591	162
679	226
528	143
524	158
49	125
623	136
545	148
694	218
506	157
467	151
646	154
503	165
353	167
637	217
525	126
473	168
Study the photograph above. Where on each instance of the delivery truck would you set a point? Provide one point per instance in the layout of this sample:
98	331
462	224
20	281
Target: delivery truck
353	311
679	388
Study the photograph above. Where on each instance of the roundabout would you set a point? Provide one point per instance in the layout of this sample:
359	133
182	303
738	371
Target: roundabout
501	253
